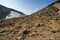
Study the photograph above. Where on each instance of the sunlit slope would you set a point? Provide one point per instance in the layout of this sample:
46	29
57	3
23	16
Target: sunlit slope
42	25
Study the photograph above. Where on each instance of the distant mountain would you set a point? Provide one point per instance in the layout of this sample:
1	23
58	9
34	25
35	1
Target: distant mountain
7	13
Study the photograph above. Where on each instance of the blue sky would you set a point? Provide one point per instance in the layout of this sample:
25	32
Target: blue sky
26	6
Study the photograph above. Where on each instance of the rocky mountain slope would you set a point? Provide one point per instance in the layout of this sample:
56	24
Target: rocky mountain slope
6	13
42	25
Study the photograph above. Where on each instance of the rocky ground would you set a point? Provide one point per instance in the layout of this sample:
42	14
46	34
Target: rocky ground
42	25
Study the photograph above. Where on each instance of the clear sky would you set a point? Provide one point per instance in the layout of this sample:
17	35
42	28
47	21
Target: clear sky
26	6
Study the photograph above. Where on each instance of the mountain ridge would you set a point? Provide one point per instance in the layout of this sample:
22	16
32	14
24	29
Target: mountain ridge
5	11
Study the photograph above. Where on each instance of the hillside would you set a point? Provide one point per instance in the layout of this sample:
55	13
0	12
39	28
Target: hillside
42	25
